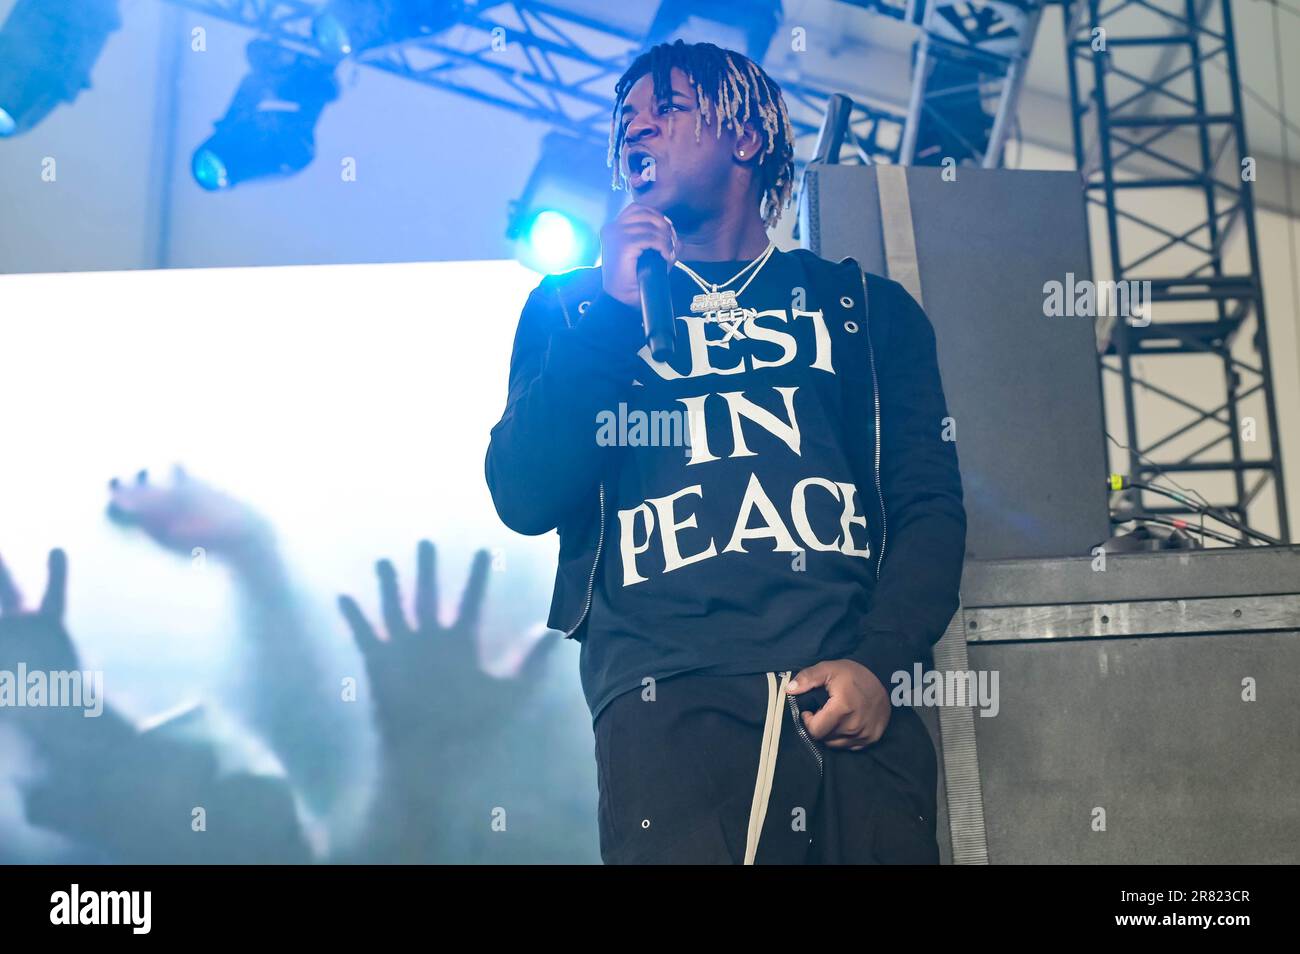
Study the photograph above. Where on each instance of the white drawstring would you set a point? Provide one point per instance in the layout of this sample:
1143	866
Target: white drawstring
766	762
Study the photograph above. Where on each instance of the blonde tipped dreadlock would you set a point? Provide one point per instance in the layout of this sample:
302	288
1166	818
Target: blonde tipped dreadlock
731	89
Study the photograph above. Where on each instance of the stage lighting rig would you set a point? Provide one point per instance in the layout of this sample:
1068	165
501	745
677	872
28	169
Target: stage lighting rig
556	222
348	27
47	51
269	129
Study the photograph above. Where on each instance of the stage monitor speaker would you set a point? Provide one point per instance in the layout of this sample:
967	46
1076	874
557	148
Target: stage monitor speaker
1024	389
1141	713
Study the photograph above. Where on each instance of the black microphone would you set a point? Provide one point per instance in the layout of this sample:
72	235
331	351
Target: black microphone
656	303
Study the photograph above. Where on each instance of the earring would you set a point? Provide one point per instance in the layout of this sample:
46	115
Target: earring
742	152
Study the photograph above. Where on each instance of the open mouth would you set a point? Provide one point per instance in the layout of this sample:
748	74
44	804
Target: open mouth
640	168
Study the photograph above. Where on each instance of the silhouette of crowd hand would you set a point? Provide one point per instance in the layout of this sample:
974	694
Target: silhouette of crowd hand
437	710
427	682
283	663
186	514
36	638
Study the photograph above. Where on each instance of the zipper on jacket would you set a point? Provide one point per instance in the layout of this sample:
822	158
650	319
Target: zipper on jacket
591	583
803	732
875	387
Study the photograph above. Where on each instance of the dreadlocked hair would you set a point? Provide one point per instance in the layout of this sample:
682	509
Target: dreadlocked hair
731	89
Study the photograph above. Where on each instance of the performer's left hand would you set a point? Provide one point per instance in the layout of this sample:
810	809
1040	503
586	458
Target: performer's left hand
858	710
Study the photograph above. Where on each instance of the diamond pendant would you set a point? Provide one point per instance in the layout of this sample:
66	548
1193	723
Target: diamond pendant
714	301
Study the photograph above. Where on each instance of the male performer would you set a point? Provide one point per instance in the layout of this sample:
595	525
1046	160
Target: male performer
764	527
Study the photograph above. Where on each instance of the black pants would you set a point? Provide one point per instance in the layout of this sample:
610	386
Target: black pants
719	770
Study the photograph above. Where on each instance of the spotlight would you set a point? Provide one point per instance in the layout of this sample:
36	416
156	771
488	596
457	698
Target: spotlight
347	27
556	222
556	241
269	129
47	51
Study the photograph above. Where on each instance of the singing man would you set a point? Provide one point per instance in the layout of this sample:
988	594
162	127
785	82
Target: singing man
744	585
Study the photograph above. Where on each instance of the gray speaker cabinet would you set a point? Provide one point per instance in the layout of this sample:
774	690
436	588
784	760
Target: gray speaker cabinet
1024	389
1147	712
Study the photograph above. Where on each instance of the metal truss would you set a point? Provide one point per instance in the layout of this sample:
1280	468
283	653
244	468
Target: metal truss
969	68
540	61
1143	74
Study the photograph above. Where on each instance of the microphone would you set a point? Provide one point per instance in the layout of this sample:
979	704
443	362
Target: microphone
656	303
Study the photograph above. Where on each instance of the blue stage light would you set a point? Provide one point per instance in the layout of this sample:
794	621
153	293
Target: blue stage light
331	36
210	171
270	127
555	224
554	242
348	27
48	50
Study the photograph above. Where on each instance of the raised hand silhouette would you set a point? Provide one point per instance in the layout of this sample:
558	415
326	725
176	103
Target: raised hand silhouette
285	683
438	712
187	514
37	637
426	680
38	641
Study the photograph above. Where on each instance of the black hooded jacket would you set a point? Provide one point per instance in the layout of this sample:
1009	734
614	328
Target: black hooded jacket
575	355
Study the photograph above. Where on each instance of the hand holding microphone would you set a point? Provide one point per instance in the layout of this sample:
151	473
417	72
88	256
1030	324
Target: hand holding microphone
638	249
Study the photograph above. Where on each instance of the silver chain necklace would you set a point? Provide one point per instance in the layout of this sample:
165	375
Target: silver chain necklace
716	297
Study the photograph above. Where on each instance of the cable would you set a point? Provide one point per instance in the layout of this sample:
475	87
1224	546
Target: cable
1161	471
1118	482
1182	525
1209	508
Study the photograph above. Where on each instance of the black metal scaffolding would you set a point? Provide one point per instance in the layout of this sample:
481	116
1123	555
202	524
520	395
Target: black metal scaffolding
1156	106
968	70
